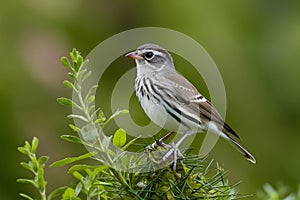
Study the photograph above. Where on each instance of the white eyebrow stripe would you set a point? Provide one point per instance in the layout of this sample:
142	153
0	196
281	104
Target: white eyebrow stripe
158	53
155	52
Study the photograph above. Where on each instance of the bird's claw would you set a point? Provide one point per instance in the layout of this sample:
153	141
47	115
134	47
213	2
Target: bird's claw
164	157
159	143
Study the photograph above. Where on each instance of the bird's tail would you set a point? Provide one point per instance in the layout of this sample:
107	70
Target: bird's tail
242	149
228	134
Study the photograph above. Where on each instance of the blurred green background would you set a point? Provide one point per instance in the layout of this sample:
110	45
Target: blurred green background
255	44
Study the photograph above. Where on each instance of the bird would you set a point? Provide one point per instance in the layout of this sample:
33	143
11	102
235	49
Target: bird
174	103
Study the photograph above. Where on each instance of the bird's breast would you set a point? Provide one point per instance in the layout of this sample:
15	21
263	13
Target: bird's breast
154	107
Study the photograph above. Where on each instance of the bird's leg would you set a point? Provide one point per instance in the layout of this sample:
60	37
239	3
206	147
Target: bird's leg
160	143
175	151
158	156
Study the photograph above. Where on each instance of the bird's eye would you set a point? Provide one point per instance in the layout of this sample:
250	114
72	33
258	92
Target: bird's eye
149	55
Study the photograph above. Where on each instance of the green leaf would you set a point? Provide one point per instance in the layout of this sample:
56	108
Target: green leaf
92	107
80	74
26	166
79	61
68	194
92	90
80	167
83	167
86	76
76	65
77	117
23	150
93	115
71	138
69	84
101	168
118	112
73	54
69	160
27	146
78	189
129	143
57	192
77	175
89	132
27	181
72	75
90	174
119	139
105	142
91	99
43	159
101	117
65	62
74	128
26	196
34	163
112	153
34	144
64	101
102	183
41	182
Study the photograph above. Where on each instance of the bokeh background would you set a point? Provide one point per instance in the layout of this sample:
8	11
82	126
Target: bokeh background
255	44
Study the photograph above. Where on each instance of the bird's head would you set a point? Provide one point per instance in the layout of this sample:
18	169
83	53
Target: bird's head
151	58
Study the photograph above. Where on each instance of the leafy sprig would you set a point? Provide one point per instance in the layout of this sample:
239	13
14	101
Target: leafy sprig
101	180
90	135
36	166
279	192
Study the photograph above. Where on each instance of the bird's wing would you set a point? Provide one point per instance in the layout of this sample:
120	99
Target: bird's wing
188	100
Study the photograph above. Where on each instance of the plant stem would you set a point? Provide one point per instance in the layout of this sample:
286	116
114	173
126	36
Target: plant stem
85	110
43	195
121	179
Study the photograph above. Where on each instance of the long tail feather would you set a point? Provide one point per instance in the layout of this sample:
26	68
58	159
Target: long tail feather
227	135
243	150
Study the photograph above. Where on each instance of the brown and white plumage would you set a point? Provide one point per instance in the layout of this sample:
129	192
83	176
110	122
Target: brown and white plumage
172	102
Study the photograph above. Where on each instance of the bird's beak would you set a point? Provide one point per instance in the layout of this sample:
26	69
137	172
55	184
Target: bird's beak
134	55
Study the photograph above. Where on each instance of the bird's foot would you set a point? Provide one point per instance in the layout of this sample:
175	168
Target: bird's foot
169	155
173	155
159	143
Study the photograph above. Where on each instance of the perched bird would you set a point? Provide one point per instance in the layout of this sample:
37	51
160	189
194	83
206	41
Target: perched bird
172	102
